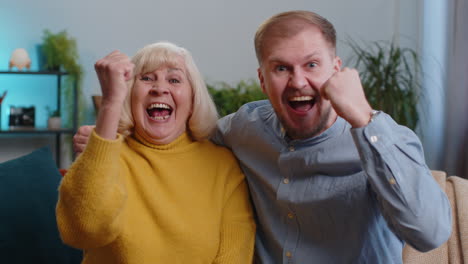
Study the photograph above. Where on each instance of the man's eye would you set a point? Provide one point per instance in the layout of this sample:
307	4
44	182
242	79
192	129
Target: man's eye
312	65
174	81
281	68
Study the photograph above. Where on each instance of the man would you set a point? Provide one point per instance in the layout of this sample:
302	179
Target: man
331	180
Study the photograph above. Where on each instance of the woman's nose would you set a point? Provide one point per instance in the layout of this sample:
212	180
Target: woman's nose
159	88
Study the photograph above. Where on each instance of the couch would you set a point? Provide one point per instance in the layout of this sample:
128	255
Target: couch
29	234
28	196
455	250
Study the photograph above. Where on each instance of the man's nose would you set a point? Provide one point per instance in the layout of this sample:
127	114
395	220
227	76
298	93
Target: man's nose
298	79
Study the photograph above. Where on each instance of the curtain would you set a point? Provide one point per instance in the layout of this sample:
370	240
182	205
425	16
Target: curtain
456	106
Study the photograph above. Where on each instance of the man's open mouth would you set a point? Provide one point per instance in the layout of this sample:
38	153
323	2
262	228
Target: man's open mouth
159	111
301	103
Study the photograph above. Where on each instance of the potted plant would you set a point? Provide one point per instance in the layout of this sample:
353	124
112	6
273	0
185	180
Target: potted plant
60	51
61	54
229	98
54	121
390	76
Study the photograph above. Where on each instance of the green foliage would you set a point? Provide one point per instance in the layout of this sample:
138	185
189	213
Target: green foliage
228	98
61	53
52	113
390	76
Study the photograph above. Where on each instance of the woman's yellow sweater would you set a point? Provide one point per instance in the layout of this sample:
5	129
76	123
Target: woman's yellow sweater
129	201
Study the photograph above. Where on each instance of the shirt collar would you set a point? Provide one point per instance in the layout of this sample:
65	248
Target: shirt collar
338	125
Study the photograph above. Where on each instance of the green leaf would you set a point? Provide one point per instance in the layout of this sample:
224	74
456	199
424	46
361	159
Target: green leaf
61	53
229	98
390	76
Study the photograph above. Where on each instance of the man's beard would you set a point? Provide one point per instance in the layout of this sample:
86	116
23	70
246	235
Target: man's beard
314	131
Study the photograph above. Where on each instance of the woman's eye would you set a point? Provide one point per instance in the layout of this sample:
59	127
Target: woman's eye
146	78
174	81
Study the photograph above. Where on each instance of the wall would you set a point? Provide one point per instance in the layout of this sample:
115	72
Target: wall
218	33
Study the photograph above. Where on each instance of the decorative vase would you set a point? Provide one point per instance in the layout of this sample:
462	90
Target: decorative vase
19	59
54	122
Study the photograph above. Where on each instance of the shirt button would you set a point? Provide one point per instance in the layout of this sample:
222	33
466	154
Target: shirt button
290	215
285	180
288	254
392	181
374	139
291	148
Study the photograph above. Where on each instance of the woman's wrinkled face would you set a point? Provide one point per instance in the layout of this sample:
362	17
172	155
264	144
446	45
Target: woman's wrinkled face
162	103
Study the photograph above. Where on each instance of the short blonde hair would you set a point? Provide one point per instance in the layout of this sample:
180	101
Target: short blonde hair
202	122
288	24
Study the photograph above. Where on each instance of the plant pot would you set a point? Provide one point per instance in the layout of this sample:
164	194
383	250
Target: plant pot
54	123
40	58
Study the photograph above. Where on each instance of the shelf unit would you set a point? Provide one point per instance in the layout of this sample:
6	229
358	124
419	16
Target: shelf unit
44	131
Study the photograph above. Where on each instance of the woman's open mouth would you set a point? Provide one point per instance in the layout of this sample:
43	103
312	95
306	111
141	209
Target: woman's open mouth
159	111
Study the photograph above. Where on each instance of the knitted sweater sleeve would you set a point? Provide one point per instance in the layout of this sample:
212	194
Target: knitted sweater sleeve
238	225
92	196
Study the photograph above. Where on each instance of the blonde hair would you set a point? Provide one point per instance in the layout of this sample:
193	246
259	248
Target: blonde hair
202	122
288	24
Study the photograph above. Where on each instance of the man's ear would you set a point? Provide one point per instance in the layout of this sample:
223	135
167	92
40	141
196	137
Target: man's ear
261	79
337	64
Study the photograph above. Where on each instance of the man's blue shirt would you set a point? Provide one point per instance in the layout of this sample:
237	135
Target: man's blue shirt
348	195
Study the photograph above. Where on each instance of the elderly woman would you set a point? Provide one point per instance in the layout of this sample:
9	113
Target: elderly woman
150	187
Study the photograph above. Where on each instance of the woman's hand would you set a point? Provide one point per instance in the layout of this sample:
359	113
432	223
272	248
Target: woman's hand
113	72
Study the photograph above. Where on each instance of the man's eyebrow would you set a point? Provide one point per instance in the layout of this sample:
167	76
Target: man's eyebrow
279	59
